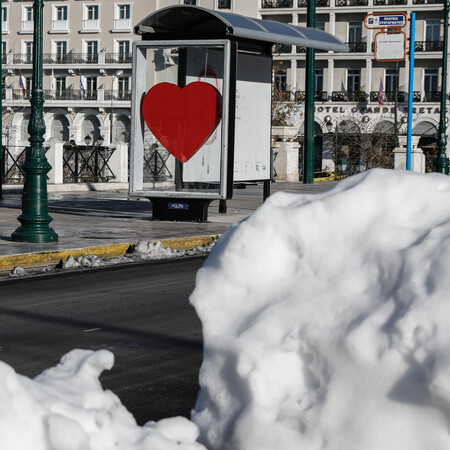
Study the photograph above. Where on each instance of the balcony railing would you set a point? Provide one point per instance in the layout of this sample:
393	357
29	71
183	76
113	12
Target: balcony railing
276	3
357	47
282	48
352	96
319	3
319	96
428	2
389	96
70	94
390	2
119	58
432	96
70	58
352	2
117	95
429	46
22	58
303	50
20	94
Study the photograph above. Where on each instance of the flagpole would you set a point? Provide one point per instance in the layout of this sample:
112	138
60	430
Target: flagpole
34	217
412	43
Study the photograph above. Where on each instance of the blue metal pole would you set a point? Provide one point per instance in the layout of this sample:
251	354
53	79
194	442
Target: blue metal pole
412	41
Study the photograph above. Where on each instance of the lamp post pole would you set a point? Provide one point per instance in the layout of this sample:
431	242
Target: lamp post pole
442	162
34	218
117	74
308	160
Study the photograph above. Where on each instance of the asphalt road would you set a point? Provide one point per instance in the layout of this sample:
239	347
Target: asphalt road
139	312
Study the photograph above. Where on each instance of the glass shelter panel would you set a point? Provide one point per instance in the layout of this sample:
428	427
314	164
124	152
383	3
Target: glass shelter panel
170	86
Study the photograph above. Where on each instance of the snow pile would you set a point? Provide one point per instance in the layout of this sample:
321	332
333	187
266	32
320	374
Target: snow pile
327	321
326	326
65	408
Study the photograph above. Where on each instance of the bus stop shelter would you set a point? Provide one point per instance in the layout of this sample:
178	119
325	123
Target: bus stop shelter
202	88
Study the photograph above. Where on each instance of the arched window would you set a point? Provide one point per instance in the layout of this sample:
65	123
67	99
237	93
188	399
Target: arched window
91	126
121	129
60	128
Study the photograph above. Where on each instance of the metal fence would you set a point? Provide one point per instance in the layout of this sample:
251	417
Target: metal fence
11	164
155	164
87	164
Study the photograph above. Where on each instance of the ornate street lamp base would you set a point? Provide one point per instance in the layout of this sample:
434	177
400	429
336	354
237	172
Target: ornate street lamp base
34	232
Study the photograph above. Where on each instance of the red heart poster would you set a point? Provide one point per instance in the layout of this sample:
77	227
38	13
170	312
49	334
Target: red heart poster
182	119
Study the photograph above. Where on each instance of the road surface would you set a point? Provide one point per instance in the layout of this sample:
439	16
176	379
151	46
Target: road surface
139	312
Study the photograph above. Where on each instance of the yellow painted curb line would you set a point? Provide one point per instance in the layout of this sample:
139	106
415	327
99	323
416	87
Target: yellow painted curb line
104	251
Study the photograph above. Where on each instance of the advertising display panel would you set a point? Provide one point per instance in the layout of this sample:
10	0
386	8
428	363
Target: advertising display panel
180	119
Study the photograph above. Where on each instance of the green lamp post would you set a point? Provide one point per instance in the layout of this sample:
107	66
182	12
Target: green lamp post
442	162
308	164
34	218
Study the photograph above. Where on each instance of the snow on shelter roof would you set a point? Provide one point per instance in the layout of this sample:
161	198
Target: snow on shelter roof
182	21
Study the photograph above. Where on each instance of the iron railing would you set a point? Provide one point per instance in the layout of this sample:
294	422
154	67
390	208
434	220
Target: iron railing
319	96
303	50
428	2
11	164
390	2
389	96
357	47
118	58
87	164
319	3
117	95
276	3
155	164
352	2
352	96
429	46
70	58
22	58
282	48
432	96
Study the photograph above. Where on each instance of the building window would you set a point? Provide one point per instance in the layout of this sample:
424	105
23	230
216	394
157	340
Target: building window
91	21
123	88
354	32
91	51
320	26
353	80
124	11
433	30
318	82
28	85
189	2
431	80
92	12
122	17
123	51
60	87
27	25
28	52
4	52
5	19
60	22
281	81
60	51
224	4
391	80
91	88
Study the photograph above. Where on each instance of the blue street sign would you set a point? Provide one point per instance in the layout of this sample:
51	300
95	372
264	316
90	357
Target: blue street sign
396	20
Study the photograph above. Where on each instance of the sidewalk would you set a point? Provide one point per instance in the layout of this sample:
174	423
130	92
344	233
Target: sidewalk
106	223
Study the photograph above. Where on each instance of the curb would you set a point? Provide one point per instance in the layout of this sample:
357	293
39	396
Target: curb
28	260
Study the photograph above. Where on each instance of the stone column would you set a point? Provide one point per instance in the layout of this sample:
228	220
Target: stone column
285	150
417	156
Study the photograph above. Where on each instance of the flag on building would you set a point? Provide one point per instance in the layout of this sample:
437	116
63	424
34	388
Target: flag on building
380	94
21	85
82	89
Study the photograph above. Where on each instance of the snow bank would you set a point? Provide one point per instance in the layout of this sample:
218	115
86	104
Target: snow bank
326	326
327	320
65	408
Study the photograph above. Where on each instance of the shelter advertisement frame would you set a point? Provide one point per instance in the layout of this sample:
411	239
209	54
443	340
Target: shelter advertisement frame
223	149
